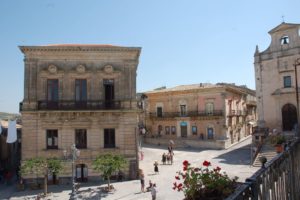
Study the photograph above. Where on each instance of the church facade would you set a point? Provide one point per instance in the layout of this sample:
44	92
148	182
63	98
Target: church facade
276	72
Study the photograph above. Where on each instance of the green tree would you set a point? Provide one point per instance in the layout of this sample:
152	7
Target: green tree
42	166
107	164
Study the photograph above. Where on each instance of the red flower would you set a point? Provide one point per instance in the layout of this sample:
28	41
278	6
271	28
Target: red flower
174	188
177	177
217	169
185	163
175	184
183	176
184	168
206	163
180	185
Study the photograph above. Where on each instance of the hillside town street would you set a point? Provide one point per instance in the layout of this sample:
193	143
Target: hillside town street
235	161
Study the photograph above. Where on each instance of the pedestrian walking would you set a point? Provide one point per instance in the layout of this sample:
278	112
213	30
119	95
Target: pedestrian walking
156	167
164	158
153	191
142	179
142	155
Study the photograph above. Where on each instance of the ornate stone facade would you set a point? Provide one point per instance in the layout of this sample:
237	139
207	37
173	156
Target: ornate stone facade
275	78
83	95
201	115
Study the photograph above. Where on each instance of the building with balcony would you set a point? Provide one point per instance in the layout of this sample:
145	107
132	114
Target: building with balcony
83	95
200	115
275	78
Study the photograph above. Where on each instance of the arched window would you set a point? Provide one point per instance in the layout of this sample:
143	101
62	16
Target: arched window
284	40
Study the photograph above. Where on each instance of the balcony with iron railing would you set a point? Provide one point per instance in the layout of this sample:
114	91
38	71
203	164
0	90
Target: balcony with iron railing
79	105
216	113
237	112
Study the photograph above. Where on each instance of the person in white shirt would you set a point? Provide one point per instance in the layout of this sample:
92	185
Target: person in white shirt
153	191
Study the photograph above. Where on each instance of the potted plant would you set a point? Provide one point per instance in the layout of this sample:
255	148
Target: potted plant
278	141
204	183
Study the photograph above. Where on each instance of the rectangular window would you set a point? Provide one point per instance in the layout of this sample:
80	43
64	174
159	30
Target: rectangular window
159	111
109	138
109	92
210	133
173	130
209	108
52	89
287	81
52	139
167	130
80	90
194	130
80	138
182	110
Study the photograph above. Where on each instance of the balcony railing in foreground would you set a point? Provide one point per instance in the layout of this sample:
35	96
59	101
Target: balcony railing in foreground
280	179
78	105
186	114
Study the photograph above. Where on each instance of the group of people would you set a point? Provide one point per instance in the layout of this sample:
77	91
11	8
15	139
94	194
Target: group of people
151	188
166	158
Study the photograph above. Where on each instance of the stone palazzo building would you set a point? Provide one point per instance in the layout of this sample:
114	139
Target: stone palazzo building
275	77
200	115
83	95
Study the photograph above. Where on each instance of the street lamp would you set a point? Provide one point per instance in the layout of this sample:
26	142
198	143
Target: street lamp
74	155
297	63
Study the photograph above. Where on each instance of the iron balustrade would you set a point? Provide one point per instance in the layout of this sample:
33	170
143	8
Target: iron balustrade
79	105
187	114
280	179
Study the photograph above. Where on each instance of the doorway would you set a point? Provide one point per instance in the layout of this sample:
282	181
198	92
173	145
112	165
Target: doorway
183	129
289	117
81	173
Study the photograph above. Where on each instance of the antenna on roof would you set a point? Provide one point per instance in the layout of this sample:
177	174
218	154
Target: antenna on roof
282	18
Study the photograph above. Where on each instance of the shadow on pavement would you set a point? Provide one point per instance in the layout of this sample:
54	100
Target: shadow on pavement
233	157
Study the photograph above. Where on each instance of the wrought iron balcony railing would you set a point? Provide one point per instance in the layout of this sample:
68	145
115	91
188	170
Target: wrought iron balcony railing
237	112
78	105
186	114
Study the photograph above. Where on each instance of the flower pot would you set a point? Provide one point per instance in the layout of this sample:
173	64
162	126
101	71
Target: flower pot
279	148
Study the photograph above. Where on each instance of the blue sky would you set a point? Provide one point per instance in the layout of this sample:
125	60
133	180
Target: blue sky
183	42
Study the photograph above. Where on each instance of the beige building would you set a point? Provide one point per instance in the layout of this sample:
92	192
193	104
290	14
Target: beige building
83	95
275	78
200	115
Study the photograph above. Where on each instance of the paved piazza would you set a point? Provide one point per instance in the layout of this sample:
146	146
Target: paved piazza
235	161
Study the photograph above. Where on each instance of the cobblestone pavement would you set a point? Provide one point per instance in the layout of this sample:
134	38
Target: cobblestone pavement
235	161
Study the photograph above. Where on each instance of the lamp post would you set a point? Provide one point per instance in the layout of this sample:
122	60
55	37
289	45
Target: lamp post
297	63
74	155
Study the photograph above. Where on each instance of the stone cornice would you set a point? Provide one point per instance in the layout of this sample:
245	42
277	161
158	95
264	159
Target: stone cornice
80	48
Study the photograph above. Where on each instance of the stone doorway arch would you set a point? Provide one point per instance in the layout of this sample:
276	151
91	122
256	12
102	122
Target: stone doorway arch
289	117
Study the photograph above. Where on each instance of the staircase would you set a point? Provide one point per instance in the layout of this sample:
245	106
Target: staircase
267	151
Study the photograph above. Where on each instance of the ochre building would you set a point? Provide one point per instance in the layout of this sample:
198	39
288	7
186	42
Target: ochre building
275	78
200	115
83	95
